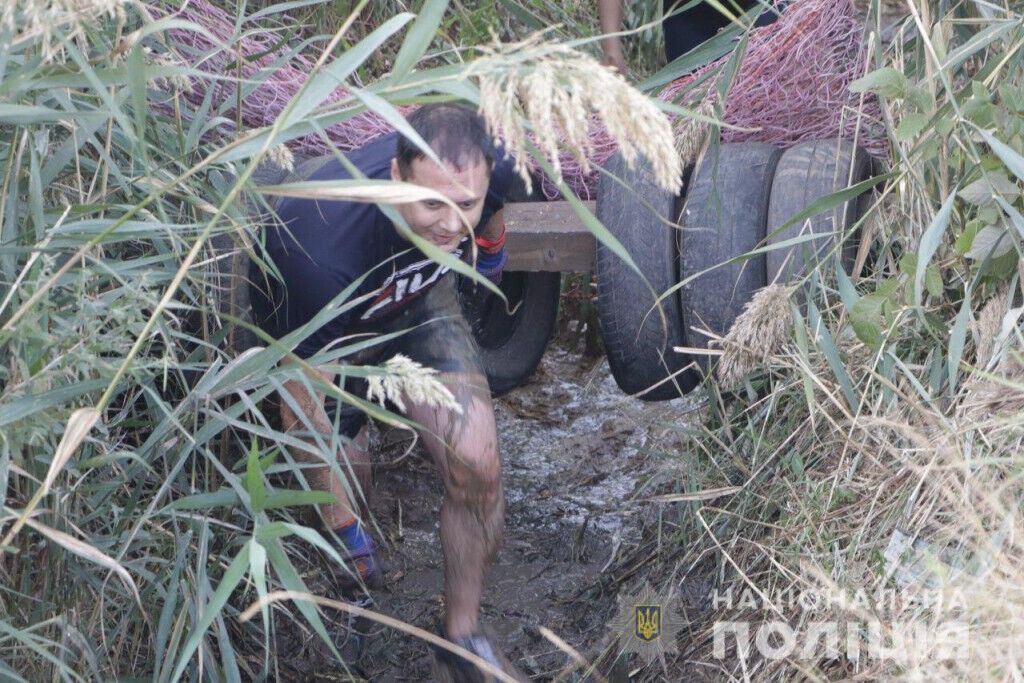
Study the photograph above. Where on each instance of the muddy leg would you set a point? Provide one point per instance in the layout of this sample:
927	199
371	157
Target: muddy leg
465	449
311	403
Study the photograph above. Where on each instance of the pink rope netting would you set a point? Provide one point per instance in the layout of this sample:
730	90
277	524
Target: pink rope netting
792	85
264	103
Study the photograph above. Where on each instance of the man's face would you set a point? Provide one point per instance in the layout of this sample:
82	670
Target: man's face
434	220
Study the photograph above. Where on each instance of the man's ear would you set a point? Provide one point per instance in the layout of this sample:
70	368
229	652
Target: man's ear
396	174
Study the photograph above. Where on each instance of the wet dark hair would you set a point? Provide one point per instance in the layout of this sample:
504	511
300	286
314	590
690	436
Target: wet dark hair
457	135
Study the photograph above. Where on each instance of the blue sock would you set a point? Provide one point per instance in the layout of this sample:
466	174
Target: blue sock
359	545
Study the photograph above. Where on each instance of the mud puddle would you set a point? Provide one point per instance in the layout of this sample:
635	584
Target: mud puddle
575	452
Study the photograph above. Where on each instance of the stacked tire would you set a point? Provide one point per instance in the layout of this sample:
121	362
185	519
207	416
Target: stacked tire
512	336
701	257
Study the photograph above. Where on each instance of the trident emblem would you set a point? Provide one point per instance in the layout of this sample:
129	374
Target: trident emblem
648	622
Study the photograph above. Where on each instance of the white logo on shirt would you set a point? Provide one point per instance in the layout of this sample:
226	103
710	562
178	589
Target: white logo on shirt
405	284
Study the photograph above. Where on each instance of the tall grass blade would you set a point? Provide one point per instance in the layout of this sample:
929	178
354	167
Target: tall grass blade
394	118
1013	160
823	338
9	674
847	292
957	341
280	8
87	552
323	83
930	241
171	597
29	114
418	39
111	106
291	580
232	577
78	427
35	644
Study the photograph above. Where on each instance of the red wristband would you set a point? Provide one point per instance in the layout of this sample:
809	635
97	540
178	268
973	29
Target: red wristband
492	245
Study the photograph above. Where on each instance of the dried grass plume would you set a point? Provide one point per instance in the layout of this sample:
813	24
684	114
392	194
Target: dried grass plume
562	94
988	326
30	19
404	378
177	81
992	389
282	157
691	133
758	333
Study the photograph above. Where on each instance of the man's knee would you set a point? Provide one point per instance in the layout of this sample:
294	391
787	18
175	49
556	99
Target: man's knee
473	475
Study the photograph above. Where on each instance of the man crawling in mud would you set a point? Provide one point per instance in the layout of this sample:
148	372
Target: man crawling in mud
325	247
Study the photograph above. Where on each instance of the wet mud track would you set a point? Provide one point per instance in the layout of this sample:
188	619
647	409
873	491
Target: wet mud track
576	454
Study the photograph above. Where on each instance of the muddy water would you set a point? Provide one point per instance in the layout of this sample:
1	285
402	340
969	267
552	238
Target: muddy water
575	452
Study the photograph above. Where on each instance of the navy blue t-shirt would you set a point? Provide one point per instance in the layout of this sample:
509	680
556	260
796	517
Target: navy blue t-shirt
327	245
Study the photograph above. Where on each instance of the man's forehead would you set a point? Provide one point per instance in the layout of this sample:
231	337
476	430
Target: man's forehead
473	175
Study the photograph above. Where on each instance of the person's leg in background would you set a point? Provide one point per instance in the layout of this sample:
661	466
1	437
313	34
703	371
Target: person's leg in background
344	516
685	30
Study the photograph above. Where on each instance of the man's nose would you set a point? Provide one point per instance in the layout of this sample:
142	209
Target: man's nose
451	223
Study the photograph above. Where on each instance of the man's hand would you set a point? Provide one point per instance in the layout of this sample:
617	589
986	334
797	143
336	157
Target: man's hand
495	228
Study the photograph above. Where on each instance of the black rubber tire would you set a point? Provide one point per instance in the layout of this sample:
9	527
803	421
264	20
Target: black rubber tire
807	172
511	345
638	341
724	217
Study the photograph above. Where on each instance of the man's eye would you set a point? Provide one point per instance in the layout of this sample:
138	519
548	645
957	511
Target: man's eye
466	205
432	204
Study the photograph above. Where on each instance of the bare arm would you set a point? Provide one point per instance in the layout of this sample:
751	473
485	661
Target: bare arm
610	14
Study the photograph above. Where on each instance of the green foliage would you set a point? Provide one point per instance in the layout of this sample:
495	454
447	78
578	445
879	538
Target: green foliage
873	313
125	211
121	218
887	82
889	410
468	24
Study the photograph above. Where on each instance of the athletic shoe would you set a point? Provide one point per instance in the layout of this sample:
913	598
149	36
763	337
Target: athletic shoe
452	668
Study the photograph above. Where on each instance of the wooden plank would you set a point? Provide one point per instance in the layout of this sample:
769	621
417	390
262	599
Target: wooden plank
547	236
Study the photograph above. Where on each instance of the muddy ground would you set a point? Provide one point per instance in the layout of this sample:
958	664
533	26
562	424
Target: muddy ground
576	453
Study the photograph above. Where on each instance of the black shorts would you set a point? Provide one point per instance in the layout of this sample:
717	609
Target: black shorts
434	333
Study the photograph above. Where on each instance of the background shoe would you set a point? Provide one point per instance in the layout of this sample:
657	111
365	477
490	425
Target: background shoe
365	562
353	584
